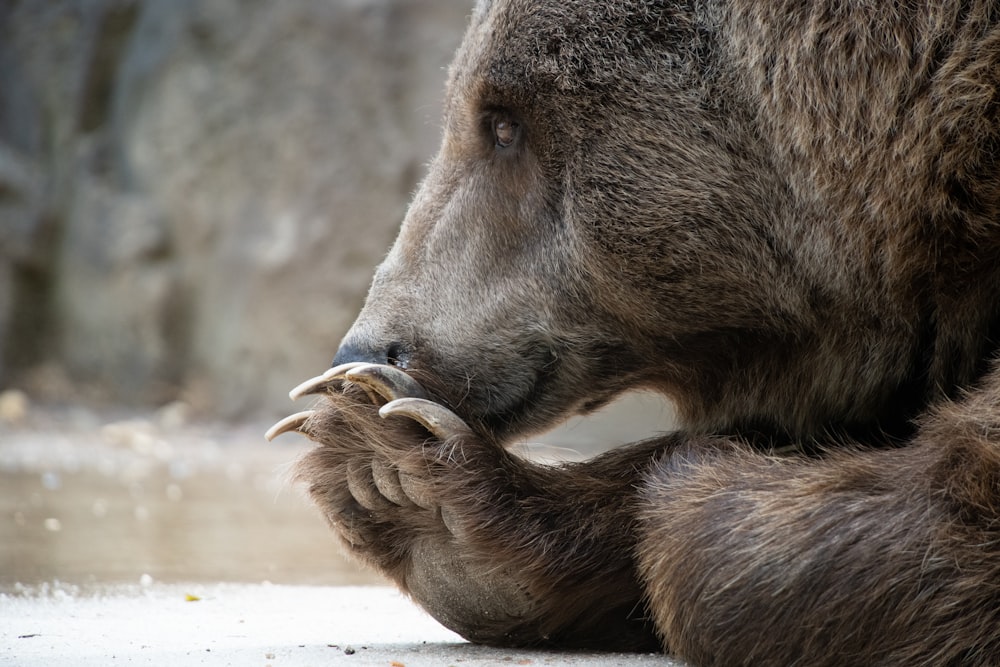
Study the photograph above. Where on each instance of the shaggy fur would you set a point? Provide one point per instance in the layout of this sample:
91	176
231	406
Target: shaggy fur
783	215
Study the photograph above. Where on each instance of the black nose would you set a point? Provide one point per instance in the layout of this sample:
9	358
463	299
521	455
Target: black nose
369	351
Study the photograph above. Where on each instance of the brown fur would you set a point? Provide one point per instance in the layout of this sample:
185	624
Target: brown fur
784	216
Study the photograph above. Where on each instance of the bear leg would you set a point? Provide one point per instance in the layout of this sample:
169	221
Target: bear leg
501	550
856	557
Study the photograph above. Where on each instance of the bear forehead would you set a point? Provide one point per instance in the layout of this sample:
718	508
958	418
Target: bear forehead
574	46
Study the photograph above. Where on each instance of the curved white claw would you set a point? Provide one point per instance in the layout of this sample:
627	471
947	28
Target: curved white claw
436	418
388	381
289	423
321	382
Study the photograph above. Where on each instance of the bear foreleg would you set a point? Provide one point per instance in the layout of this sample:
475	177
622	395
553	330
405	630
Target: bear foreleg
874	557
501	550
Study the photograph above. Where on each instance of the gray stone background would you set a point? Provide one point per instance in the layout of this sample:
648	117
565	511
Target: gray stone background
193	193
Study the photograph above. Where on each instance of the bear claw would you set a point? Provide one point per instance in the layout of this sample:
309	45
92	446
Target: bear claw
437	419
289	423
389	382
322	382
380	382
386	382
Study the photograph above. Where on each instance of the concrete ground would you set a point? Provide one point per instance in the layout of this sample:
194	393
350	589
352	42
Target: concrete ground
240	624
131	539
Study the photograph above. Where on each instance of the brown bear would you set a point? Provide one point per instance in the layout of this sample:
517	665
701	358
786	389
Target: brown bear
783	215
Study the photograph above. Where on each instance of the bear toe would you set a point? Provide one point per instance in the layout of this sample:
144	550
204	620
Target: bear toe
386	480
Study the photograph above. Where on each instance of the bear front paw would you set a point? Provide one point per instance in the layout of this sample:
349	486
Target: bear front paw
379	476
375	429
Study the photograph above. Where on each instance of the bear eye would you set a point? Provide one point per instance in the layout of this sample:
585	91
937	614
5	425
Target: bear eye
504	131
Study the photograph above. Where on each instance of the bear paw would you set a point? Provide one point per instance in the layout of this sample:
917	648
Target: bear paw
381	477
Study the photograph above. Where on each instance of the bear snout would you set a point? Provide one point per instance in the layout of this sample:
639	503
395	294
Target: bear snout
368	349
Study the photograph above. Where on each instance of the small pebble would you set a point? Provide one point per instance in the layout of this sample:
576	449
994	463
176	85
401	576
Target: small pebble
100	508
51	480
174	415
13	406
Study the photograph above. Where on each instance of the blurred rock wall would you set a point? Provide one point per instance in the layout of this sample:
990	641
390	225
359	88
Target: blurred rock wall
193	193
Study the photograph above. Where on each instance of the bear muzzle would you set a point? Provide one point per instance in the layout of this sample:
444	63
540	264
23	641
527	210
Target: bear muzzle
367	349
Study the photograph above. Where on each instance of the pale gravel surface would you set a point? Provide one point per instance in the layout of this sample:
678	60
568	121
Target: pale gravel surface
241	624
